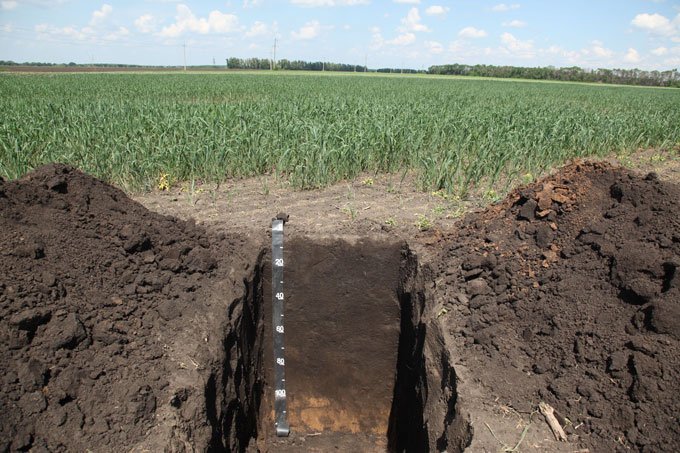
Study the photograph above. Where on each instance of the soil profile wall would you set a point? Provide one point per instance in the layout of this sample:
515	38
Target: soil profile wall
342	321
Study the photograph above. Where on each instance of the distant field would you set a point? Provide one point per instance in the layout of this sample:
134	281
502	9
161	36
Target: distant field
129	128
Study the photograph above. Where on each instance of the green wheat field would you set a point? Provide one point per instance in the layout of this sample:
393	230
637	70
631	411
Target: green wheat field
316	129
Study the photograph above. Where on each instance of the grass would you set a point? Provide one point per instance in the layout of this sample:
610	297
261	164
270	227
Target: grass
423	223
316	129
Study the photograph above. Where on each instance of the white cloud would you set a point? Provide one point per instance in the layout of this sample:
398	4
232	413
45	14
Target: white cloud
596	55
599	50
222	23
251	3
412	22
502	7
472	32
145	23
512	50
407	2
516	47
186	21
434	47
515	24
116	35
99	15
463	50
318	3
308	31
672	62
257	29
657	24
377	40
437	10
69	32
12	4
632	56
403	39
8	5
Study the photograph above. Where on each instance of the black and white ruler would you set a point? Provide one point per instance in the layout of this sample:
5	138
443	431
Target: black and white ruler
280	407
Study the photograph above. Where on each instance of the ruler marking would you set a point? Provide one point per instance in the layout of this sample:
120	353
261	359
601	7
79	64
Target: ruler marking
280	404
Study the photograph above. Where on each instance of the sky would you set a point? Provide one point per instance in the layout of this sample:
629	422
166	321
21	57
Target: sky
390	33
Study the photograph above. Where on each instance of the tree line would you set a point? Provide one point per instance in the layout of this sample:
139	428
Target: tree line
670	78
291	65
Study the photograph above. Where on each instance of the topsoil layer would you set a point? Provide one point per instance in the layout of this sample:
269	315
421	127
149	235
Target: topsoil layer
111	327
568	293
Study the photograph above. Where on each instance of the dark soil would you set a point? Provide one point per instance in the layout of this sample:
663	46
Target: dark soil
342	318
342	323
125	330
569	292
361	368
93	290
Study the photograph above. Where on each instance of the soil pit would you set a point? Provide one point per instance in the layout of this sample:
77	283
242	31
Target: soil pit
354	348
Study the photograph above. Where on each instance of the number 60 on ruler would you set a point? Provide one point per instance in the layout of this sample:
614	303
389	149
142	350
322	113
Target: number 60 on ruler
280	405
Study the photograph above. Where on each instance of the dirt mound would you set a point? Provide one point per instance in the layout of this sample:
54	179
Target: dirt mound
568	292
93	289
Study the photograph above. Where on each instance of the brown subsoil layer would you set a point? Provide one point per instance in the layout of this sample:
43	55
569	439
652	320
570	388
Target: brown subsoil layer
125	330
568	292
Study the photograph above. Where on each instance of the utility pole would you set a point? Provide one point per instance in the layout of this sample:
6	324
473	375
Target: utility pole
185	55
273	65
366	63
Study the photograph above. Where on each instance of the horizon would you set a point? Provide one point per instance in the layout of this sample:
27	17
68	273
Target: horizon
413	34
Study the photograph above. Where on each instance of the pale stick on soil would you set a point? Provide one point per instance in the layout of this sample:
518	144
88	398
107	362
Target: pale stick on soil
549	414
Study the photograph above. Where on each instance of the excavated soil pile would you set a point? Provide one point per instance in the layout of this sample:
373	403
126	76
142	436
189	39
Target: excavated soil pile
569	293
93	289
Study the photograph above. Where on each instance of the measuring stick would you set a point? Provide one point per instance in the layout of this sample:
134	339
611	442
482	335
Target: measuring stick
280	407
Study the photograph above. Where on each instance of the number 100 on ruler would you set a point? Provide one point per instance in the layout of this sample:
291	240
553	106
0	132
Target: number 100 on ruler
278	296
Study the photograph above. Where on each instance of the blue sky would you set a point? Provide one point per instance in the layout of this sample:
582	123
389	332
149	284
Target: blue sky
390	33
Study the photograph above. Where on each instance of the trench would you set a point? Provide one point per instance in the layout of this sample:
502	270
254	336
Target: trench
365	369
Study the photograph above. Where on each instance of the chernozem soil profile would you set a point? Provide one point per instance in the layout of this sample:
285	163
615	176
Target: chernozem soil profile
342	332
